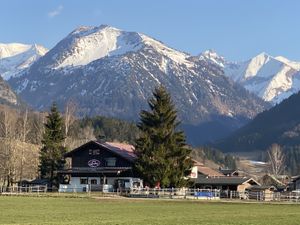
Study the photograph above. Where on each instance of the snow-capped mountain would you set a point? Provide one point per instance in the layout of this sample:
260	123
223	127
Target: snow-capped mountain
16	57
271	78
87	44
213	57
113	73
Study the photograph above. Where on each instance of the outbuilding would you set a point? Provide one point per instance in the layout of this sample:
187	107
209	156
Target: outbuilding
224	183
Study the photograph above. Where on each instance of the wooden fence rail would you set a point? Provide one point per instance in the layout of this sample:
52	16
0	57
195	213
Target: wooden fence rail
171	193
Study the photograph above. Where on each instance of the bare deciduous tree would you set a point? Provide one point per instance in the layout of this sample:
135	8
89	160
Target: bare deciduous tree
276	159
24	130
8	150
69	118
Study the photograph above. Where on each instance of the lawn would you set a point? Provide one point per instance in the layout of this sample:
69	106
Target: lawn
49	210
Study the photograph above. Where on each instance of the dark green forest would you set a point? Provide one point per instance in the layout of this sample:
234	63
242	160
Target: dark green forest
280	124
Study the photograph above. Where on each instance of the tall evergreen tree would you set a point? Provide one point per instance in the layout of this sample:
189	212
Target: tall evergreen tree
162	154
51	155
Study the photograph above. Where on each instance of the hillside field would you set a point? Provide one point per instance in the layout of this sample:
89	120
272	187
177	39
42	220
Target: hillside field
44	210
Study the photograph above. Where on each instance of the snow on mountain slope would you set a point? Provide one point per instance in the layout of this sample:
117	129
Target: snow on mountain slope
16	57
213	57
12	49
87	44
294	65
91	43
271	78
113	72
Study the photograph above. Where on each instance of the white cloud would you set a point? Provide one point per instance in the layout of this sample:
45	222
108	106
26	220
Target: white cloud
55	12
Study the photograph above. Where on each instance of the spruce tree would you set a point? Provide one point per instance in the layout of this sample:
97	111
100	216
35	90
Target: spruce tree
162	153
51	155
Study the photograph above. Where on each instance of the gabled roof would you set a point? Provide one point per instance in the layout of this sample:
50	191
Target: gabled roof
124	150
209	171
224	180
261	188
227	172
295	178
197	163
270	179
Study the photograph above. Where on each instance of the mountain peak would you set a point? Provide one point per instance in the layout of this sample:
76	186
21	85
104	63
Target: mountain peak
213	56
87	43
15	57
12	49
271	78
210	52
263	55
87	30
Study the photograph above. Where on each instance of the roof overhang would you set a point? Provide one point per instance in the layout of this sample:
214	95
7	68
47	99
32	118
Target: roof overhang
99	170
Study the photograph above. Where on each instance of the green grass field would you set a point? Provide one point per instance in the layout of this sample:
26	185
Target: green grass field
49	210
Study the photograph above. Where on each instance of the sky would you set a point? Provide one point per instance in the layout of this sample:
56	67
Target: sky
236	29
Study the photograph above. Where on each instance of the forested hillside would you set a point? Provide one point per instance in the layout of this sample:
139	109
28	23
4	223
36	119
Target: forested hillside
280	124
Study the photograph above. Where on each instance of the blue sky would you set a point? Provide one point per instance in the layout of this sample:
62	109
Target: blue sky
237	29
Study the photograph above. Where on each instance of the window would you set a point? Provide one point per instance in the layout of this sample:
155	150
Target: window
83	180
94	152
93	181
111	161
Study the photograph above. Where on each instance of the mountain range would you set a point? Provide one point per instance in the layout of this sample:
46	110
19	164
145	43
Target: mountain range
271	78
15	58
112	72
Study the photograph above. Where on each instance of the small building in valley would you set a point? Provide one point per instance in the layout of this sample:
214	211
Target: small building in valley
207	171
269	180
229	172
225	183
223	180
262	192
98	166
294	183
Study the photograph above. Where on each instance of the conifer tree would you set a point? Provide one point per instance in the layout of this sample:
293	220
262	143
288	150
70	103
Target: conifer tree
162	154
51	155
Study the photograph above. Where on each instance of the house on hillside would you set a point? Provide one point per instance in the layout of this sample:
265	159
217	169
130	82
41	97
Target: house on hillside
100	166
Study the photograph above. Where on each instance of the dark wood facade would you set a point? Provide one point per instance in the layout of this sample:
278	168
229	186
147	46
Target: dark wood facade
100	159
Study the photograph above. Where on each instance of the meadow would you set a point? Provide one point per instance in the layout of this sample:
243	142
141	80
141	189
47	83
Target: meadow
50	210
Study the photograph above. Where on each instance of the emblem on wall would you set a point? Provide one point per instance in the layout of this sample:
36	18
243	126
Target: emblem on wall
94	163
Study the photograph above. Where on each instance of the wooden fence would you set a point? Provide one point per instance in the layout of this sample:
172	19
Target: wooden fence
13	190
166	193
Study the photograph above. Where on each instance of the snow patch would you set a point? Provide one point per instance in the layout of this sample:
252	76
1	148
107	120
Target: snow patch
92	43
15	58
